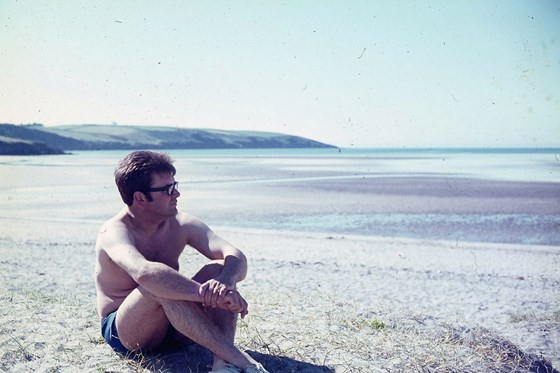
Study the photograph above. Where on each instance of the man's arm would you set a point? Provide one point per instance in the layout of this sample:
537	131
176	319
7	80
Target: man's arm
157	278
209	244
212	246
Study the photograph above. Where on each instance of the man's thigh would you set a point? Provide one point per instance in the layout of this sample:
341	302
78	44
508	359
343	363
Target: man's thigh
141	321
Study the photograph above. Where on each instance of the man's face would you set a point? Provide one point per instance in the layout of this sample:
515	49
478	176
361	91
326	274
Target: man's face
162	203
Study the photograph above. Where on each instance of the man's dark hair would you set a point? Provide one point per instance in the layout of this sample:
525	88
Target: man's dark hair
134	173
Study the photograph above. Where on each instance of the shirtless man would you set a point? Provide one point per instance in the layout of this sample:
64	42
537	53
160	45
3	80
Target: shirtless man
142	299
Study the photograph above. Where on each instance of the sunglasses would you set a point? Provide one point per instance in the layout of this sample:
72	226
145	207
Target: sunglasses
169	188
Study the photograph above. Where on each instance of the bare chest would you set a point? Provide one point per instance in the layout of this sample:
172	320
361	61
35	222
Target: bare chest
165	247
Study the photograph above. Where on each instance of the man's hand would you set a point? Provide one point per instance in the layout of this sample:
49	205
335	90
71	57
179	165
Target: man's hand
217	294
234	302
212	291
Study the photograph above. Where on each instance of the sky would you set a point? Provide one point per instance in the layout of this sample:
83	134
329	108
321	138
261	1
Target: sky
348	73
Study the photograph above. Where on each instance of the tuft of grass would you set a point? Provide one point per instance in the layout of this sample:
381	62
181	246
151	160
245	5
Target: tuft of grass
553	317
361	323
377	325
284	331
389	340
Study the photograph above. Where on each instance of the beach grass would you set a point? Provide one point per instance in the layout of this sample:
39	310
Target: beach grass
348	312
44	332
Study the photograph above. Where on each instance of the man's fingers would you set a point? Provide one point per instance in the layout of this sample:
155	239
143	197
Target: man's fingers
215	297
210	297
214	294
202	293
222	290
236	303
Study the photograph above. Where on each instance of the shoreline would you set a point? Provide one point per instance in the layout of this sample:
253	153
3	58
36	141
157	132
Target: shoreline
382	239
319	234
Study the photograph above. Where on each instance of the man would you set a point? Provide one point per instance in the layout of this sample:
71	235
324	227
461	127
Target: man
142	299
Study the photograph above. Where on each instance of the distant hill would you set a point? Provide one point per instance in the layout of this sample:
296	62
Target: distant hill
37	139
11	146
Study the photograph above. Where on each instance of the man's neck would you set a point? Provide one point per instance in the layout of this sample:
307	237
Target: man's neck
143	222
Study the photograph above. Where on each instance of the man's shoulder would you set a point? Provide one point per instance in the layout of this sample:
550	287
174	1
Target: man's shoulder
115	224
190	224
186	219
118	220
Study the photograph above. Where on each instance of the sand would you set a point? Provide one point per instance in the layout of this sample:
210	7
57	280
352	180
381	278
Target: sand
318	303
426	272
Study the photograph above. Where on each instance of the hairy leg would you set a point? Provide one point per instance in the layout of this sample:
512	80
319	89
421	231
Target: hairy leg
190	320
154	315
225	321
140	308
211	328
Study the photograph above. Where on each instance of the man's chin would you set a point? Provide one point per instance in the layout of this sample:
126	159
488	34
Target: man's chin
171	212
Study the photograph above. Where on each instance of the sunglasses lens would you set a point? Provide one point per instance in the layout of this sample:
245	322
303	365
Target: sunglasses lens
172	188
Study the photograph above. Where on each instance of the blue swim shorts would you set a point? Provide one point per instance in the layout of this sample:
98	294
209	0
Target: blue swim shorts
109	332
111	335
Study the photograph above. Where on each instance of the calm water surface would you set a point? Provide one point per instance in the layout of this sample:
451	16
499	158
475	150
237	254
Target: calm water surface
291	190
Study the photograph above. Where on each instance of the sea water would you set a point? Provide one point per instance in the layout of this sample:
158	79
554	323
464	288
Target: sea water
312	190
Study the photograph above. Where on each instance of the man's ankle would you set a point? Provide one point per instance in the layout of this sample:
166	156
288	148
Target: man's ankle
219	363
255	368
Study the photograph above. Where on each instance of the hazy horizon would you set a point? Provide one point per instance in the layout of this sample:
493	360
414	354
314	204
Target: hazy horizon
351	74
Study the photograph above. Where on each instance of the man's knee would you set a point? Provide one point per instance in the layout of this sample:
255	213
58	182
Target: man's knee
209	271
148	295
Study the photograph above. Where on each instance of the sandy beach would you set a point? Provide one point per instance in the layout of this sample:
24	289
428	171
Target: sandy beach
320	300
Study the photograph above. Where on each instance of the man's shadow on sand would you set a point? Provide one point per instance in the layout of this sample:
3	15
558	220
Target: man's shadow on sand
194	358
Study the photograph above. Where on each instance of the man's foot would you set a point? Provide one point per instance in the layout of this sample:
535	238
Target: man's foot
227	368
256	369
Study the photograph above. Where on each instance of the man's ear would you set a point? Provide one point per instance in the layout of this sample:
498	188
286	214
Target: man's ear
140	198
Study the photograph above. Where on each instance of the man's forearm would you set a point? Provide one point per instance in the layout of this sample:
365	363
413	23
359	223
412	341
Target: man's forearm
165	282
235	268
